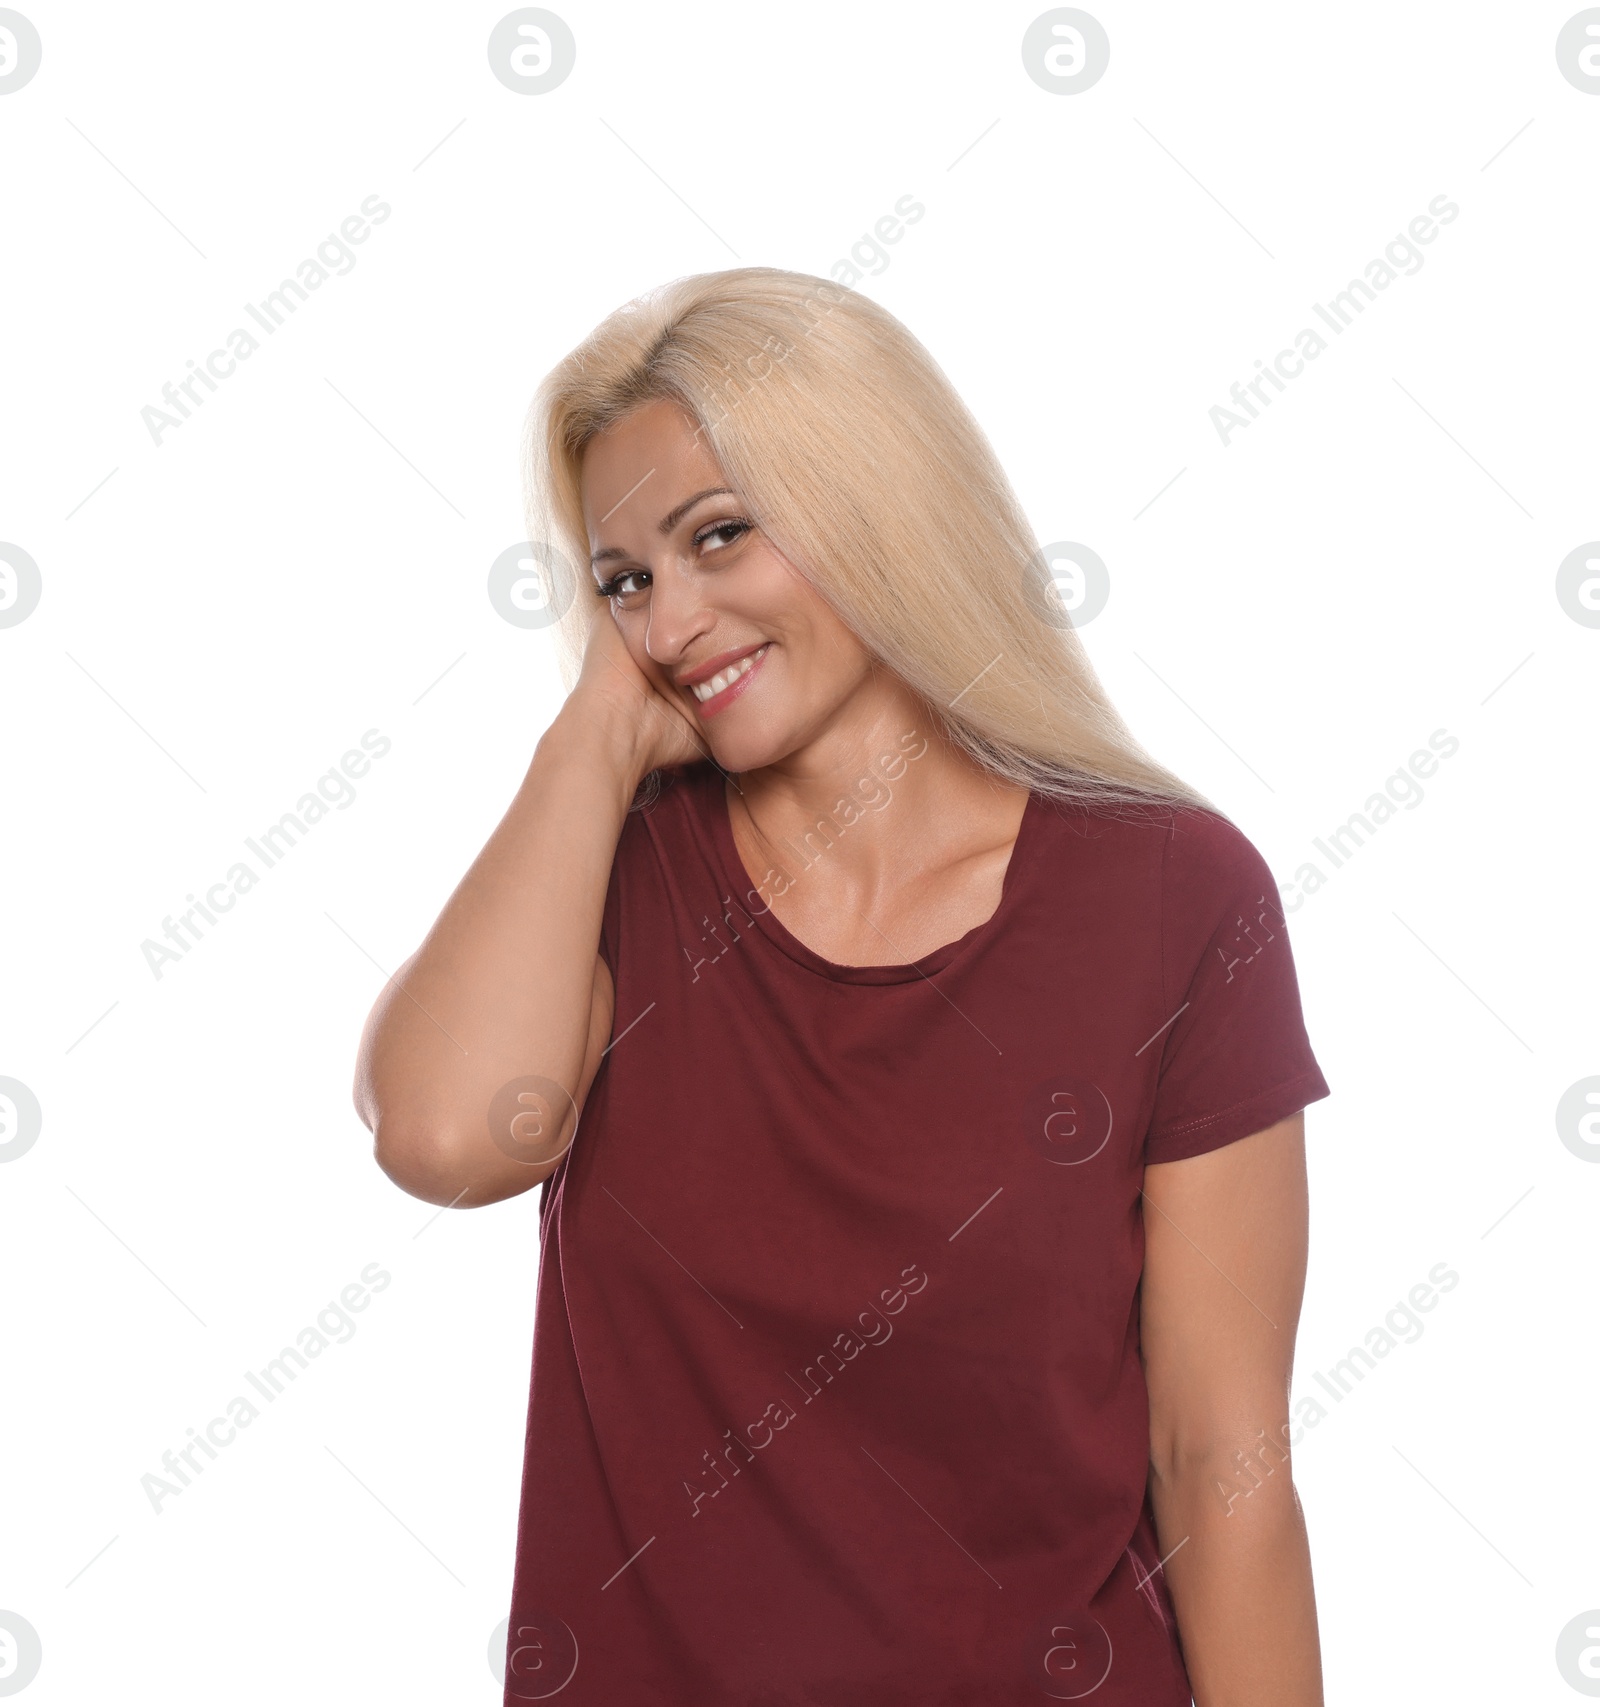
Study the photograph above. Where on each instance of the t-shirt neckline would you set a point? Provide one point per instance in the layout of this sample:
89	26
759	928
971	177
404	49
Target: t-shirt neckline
745	894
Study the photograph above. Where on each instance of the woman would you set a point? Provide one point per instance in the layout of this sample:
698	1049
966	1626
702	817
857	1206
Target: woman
917	1297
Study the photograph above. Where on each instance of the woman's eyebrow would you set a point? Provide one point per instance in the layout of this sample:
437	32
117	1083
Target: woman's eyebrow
668	522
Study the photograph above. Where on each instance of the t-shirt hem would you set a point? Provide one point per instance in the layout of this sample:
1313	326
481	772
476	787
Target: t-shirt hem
1241	1120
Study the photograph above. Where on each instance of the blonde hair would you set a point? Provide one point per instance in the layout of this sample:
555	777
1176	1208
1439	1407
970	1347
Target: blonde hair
859	461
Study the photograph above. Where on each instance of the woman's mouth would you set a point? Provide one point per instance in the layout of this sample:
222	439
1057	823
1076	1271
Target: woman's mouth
725	687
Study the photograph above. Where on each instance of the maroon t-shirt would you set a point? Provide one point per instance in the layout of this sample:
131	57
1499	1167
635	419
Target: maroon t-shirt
836	1391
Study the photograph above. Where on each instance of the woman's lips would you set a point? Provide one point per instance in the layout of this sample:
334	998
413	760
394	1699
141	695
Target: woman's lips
728	684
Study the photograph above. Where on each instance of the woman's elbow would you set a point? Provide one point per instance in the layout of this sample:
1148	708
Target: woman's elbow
420	1162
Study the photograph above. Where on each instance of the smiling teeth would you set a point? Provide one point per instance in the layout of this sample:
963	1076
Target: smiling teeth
703	691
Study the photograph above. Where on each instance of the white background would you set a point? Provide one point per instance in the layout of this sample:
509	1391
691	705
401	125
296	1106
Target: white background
224	614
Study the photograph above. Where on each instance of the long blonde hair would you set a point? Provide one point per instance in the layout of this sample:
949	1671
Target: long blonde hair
859	461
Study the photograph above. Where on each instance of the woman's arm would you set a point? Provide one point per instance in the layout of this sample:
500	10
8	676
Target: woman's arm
509	984
1225	1261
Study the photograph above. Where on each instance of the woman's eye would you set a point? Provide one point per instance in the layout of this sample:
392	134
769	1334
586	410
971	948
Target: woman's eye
734	528
620	586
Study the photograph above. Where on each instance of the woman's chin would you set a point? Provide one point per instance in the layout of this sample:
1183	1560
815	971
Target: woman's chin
747	748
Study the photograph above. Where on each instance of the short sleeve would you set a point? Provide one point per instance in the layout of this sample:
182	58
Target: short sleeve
633	846
611	917
1235	1058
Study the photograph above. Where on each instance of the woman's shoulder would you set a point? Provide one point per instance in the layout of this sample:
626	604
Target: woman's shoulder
1196	858
668	807
1180	883
1209	862
676	793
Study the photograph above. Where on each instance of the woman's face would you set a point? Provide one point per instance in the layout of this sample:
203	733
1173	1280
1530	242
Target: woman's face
710	610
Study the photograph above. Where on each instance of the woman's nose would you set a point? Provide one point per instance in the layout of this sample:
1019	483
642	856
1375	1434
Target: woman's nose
677	612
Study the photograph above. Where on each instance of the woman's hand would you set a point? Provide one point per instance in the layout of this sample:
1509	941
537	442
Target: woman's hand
652	727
